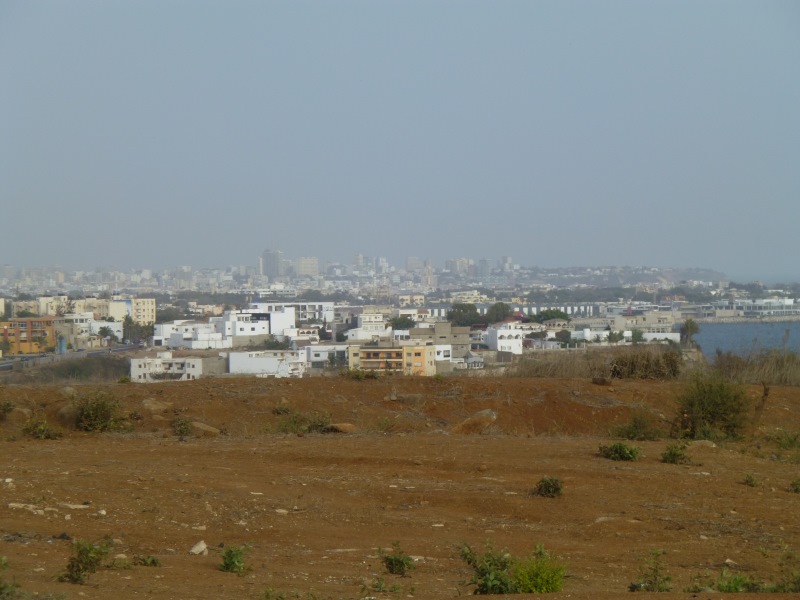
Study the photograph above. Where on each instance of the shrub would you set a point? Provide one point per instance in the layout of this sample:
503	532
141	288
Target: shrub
146	561
548	487
233	560
8	590
99	412
795	486
38	428
651	575
497	572
538	573
620	451
750	480
182	428
5	409
711	408
640	428
737	582
86	559
398	562
316	422
361	374
675	454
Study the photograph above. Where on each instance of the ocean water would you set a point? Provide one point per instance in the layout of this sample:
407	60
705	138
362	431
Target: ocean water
746	338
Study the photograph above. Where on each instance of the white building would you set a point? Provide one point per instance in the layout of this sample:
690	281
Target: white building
269	363
370	326
166	368
305	312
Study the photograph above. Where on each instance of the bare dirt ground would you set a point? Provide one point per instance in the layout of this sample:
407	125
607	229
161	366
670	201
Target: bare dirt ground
314	509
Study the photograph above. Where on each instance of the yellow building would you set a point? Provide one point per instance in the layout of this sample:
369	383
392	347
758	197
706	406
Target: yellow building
27	336
409	360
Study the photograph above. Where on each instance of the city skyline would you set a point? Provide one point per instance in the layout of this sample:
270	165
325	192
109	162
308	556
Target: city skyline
145	135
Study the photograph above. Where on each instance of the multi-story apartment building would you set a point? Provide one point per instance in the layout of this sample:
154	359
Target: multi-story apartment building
409	360
28	336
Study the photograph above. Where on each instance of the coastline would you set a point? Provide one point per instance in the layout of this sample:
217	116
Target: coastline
768	319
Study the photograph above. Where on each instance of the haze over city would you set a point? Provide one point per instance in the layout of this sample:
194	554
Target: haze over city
150	134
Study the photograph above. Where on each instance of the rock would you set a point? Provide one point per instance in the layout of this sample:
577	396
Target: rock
703	443
477	423
120	557
203	430
67	415
68	392
199	548
18	416
341	428
152	405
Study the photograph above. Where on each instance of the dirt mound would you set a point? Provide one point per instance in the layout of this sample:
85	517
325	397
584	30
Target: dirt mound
313	508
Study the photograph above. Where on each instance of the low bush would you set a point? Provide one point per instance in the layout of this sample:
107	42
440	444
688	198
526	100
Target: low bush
497	572
651	575
675	454
750	480
86	559
9	590
233	560
182	427
640	428
360	374
711	407
548	487
733	583
795	486
38	428
99	412
5	409
316	422
146	561
620	451
397	562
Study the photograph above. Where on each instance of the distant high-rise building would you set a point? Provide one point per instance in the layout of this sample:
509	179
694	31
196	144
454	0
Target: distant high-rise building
413	263
272	264
306	266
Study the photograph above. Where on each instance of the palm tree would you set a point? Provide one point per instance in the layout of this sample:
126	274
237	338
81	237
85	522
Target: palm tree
688	329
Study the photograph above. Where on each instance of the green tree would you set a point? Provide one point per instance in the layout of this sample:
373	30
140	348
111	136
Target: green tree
498	312
25	314
402	323
637	336
107	332
550	313
464	315
564	336
615	336
689	329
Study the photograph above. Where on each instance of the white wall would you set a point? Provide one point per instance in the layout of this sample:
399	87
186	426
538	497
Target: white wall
268	363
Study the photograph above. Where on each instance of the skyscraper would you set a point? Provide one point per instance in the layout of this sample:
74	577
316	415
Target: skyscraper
272	264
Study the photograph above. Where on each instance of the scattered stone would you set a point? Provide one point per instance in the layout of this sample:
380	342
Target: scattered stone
68	392
477	423
67	415
199	548
281	511
199	528
152	405
18	416
83	506
120	557
703	443
203	430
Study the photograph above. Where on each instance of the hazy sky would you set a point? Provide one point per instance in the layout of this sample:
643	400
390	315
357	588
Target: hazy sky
154	132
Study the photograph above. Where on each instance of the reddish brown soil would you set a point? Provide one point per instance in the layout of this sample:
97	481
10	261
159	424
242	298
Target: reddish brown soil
314	509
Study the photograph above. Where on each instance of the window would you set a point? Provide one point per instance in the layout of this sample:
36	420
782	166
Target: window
417	353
